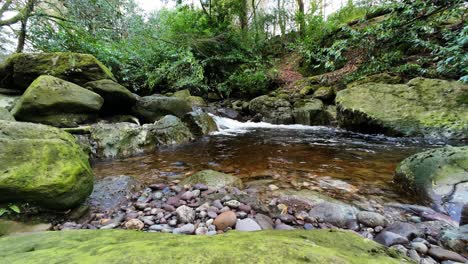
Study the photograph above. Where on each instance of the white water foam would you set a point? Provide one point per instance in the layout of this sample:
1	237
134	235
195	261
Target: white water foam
227	126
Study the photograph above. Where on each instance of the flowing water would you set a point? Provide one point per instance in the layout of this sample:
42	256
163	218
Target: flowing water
333	161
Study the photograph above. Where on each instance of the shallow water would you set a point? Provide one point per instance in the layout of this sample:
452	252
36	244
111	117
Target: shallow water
333	161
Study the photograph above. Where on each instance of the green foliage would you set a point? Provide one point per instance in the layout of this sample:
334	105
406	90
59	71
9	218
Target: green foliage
9	209
247	82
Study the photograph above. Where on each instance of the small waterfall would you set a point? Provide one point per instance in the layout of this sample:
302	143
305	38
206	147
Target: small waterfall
229	126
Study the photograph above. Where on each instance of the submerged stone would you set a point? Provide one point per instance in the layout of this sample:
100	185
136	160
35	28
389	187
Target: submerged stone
117	246
213	178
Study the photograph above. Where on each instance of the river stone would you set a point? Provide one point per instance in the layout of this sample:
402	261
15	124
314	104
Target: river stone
423	107
21	69
441	254
407	230
152	108
309	112
42	165
186	229
8	101
56	102
272	109
200	123
225	220
371	219
265	222
120	140
111	192
134	224
6	115
456	239
389	239
213	179
117	99
439	176
247	225
122	246
170	130
185	214
194	101
336	214
419	247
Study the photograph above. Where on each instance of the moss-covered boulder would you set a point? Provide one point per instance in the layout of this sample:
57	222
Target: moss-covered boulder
213	178
310	112
21	69
274	110
117	99
6	115
325	93
423	107
42	165
200	123
122	246
56	102
170	130
194	101
438	176
152	108
384	77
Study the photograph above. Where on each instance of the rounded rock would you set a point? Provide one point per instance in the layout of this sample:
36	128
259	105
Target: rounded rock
225	220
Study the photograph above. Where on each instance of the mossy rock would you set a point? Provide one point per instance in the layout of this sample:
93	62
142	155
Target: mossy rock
194	101
439	177
56	102
8	101
170	130
377	78
152	108
117	99
182	93
6	115
310	112
42	165
200	123
272	109
122	246
429	108
213	178
325	93
21	69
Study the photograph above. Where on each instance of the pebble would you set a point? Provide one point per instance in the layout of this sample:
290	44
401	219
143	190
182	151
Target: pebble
247	225
188	195
201	230
134	224
273	187
158	195
217	204
172	222
441	254
225	220
245	208
109	226
212	214
233	204
168	207
185	229
185	214
287	218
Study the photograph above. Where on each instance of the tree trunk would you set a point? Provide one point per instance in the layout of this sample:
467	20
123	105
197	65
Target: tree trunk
24	25
244	21
301	16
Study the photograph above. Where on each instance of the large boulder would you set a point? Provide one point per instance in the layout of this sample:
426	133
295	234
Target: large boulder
439	177
21	69
117	99
123	246
152	108
56	102
42	165
194	101
6	115
213	178
310	112
171	130
274	110
423	107
200	123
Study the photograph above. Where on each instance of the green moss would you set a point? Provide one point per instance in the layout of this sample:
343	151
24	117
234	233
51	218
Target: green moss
423	107
22	68
118	246
310	112
42	165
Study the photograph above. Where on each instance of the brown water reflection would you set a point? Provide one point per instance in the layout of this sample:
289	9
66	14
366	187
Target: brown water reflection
332	161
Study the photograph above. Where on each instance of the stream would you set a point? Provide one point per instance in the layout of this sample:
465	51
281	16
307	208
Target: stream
335	162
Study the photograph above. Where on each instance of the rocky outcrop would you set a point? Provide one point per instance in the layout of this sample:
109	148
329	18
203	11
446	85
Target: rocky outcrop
117	99
56	102
439	177
152	108
42	165
423	107
117	246
21	69
272	109
213	178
